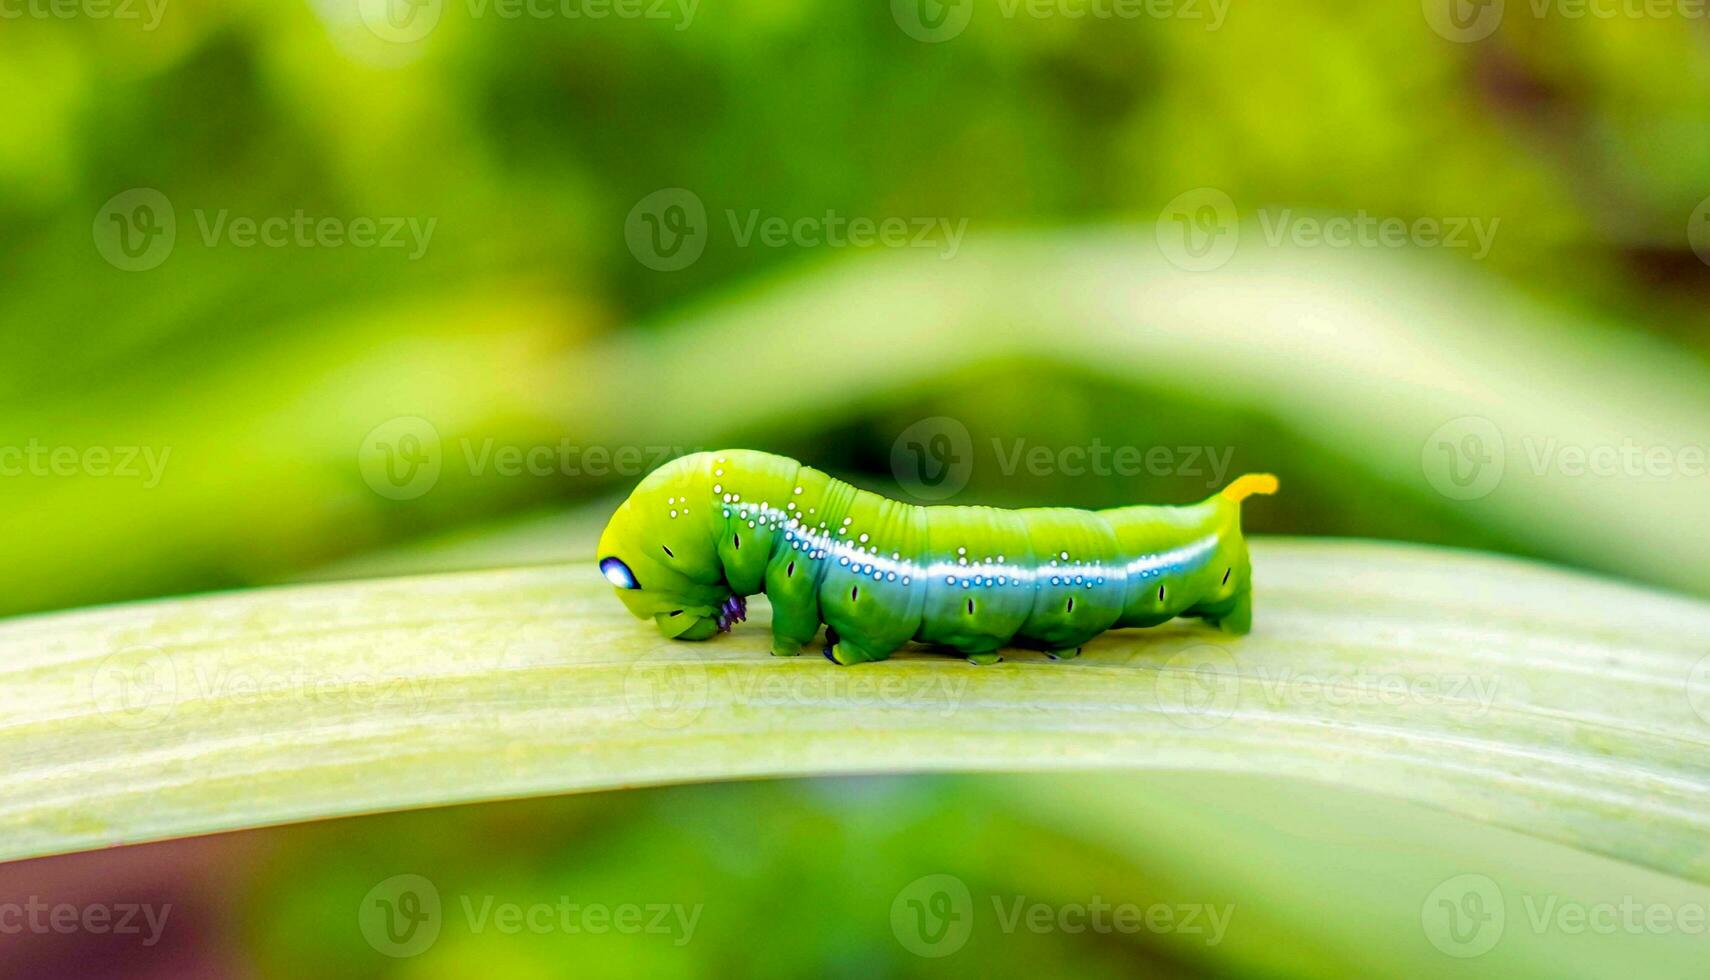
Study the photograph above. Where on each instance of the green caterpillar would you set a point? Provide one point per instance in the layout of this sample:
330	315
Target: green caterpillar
703	532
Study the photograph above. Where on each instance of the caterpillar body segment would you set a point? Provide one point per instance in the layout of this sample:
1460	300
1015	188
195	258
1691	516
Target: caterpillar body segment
702	533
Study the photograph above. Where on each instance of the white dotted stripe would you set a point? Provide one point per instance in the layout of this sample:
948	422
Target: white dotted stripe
863	558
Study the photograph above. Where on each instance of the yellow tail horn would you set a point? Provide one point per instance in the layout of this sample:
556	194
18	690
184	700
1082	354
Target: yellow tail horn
1252	483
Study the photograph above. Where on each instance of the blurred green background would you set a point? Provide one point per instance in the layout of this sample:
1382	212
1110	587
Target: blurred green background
490	196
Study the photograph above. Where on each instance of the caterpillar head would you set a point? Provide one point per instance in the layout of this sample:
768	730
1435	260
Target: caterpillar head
658	554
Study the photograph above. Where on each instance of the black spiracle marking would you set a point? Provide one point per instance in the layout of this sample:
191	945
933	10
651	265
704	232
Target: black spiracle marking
1160	593
789	569
668	551
1226	572
1070	607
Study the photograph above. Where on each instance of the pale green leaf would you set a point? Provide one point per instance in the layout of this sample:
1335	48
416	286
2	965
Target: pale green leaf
1563	707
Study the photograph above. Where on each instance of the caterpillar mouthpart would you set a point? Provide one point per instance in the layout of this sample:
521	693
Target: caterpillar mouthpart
687	624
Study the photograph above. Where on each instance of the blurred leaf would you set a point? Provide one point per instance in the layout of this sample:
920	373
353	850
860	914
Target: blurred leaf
1338	883
1377	369
257	467
1549	703
1587	444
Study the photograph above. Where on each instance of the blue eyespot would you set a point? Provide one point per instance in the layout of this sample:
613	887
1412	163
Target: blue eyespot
618	574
